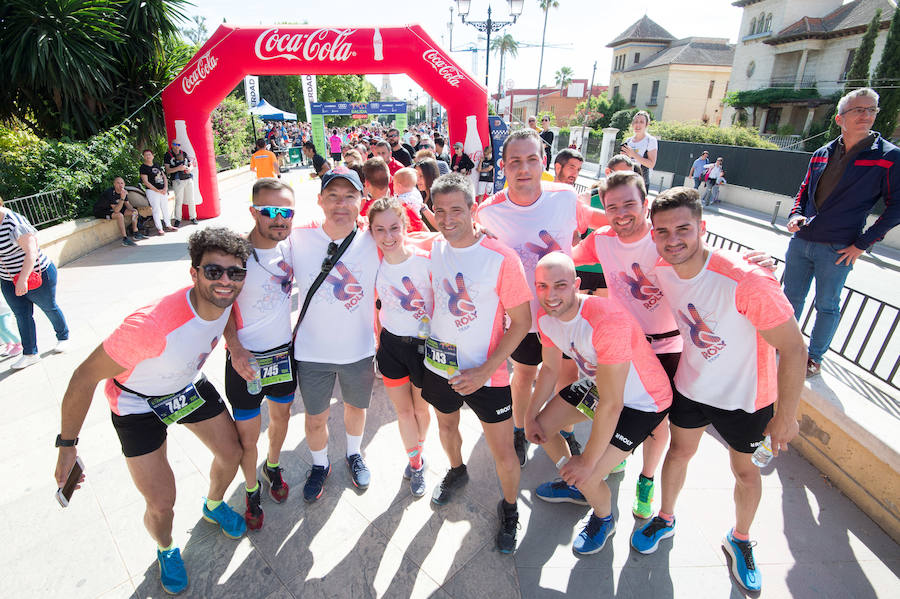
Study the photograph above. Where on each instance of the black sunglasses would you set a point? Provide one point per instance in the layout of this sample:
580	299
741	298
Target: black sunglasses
329	256
214	272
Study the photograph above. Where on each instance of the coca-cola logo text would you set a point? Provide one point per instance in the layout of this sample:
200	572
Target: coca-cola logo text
318	45
446	70
204	67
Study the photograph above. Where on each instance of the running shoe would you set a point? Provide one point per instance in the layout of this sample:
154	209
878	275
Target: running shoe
62	346
813	368
278	489
169	229
176	223
253	516
359	473
643	498
138	235
14	349
315	482
453	480
233	526
521	444
193	221
558	491
417	482
743	567
509	524
128	242
646	539
594	535
407	472
172	575
574	445
25	361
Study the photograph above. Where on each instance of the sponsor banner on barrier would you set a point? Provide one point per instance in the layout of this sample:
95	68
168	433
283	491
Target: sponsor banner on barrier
499	132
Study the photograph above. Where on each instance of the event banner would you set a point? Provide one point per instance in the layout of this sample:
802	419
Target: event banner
251	90
499	132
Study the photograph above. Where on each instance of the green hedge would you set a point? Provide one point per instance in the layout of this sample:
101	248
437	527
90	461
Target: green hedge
29	165
695	132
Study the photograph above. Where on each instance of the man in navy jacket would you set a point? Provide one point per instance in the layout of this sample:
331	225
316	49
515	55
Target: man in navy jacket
845	179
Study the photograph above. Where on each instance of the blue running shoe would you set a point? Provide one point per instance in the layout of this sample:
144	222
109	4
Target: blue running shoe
743	567
594	536
646	539
359	472
315	482
407	473
558	492
172	575
233	525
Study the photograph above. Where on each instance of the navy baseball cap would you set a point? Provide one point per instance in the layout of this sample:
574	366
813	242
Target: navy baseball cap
341	173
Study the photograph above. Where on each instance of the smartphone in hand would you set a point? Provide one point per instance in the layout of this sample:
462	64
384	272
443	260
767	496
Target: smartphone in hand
64	495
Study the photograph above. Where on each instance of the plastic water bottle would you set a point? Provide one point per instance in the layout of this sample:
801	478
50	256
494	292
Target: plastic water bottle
562	462
424	328
763	454
254	385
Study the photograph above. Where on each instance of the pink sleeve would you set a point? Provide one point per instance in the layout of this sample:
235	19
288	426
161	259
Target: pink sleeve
545	339
612	336
759	297
512	287
138	338
583	215
586	251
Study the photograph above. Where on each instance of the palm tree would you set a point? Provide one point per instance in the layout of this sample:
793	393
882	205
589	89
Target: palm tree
546	5
503	45
563	78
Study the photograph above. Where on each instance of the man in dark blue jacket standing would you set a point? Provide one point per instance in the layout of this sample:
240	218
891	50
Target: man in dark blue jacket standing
845	179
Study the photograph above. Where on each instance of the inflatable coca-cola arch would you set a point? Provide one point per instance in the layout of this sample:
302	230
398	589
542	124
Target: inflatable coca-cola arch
233	52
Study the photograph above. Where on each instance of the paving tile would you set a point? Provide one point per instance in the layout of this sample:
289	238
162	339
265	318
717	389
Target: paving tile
556	583
488	574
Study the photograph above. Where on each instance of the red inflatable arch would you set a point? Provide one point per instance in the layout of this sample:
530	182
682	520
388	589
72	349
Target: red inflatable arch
233	52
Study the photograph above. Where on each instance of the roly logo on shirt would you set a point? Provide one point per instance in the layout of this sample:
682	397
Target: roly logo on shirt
640	287
459	302
345	287
411	300
582	362
702	336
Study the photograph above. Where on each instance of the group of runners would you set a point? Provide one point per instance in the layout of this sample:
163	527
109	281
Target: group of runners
497	282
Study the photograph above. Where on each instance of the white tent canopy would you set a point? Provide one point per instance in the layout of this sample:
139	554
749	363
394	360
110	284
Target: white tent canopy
267	112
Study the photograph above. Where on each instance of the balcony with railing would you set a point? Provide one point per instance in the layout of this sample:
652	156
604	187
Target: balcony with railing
791	81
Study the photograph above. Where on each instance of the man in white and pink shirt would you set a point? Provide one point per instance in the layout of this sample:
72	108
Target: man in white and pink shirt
733	317
152	367
622	388
534	219
477	283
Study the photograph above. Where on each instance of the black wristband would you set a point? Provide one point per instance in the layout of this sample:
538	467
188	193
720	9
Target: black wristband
60	442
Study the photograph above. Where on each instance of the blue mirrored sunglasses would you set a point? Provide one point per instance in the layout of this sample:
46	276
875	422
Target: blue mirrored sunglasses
275	211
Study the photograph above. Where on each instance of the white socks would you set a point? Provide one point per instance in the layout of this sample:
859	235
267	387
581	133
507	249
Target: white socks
353	444
320	458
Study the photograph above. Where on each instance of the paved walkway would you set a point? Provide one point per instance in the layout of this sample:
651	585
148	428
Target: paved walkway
813	542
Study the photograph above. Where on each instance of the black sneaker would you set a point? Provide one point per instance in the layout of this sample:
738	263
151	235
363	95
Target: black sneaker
521	444
359	473
176	223
138	235
315	482
193	221
453	480
127	242
509	524
574	445
253	516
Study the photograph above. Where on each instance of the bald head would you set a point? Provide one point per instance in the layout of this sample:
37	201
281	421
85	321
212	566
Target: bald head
556	286
558	262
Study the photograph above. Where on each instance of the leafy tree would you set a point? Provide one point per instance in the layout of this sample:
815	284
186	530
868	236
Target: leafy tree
601	110
545	5
858	76
621	120
232	132
563	78
198	34
887	78
75	67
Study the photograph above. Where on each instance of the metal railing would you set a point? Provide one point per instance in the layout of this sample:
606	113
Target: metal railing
41	208
866	333
790	142
806	81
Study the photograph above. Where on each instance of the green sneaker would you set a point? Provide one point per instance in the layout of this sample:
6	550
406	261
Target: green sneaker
643	498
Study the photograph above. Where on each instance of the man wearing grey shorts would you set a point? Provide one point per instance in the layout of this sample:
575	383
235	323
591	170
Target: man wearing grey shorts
335	339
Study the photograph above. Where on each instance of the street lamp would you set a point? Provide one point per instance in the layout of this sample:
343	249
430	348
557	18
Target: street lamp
489	26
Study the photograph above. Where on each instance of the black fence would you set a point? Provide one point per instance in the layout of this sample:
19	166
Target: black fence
776	171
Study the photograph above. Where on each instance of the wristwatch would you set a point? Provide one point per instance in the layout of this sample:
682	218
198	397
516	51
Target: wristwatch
60	442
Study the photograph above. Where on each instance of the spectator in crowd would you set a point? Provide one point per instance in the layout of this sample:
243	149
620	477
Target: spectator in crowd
382	149
845	179
698	169
157	188
713	172
178	165
397	149
440	153
485	176
263	162
547	138
113	205
320	165
10	343
405	188
352	157
443	167
567	166
712	195
426	173
28	279
461	162
641	147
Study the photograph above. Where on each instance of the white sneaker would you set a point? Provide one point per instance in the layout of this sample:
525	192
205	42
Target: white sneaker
26	361
62	346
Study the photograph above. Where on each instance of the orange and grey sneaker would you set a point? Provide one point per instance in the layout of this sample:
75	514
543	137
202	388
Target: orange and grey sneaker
278	489
253	516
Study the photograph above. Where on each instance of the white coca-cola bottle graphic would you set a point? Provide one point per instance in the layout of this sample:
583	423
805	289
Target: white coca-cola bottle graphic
472	146
181	137
378	45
